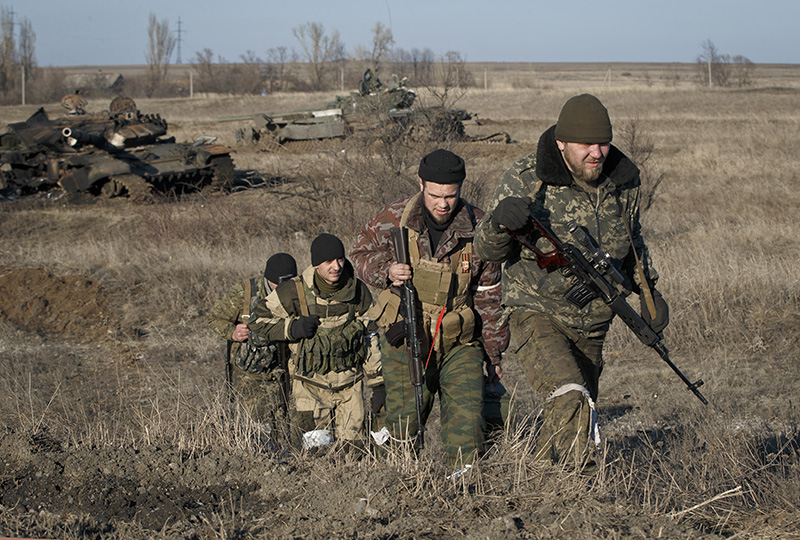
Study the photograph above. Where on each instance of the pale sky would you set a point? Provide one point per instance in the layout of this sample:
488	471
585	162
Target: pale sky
112	32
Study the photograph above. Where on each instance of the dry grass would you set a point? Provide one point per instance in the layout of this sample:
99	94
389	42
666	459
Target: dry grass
722	236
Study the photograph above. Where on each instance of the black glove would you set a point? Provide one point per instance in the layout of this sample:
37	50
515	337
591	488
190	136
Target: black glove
512	213
396	333
304	327
662	312
377	402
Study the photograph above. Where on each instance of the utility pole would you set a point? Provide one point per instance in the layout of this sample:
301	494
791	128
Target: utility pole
179	31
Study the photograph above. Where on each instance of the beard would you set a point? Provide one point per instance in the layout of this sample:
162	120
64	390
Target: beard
583	173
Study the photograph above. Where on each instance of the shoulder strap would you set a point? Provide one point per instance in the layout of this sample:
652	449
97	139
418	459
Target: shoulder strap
301	296
248	294
645	285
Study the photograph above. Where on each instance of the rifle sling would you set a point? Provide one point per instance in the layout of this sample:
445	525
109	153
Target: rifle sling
644	285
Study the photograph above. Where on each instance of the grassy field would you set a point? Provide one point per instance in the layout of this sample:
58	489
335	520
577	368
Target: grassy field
112	419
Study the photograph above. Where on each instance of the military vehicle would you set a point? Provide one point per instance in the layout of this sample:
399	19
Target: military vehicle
373	108
119	152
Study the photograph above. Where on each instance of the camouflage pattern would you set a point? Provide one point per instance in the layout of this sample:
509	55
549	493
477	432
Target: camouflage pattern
558	342
334	397
259	393
558	201
373	254
559	355
457	376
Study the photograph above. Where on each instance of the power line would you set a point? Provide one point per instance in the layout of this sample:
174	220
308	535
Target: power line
179	31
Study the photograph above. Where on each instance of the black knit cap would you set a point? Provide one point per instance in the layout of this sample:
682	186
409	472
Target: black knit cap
583	119
442	167
280	266
326	247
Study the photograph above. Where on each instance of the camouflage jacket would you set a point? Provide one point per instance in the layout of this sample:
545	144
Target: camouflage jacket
273	320
373	254
228	310
557	199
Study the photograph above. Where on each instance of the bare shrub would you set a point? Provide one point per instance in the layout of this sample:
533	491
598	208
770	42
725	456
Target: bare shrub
638	145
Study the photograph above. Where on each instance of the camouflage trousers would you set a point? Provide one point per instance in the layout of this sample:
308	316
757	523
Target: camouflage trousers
261	396
457	378
339	412
554	356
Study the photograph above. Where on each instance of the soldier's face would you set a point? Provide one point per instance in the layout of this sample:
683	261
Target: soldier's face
440	199
331	270
584	161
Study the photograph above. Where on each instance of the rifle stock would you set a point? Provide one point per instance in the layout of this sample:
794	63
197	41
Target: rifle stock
590	266
399	236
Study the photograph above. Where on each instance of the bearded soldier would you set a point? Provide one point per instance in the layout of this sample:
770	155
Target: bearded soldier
254	367
322	314
460	301
575	174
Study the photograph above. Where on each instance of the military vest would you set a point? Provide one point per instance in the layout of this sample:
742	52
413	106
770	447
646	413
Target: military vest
332	348
443	289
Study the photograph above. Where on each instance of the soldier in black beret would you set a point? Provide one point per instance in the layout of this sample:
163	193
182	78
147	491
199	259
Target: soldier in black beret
459	309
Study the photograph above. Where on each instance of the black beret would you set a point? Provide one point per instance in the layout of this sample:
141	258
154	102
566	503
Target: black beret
326	247
442	167
280	266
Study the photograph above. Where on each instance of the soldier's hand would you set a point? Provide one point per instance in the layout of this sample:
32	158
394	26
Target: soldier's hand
662	312
511	213
305	327
396	333
494	372
240	333
377	402
399	273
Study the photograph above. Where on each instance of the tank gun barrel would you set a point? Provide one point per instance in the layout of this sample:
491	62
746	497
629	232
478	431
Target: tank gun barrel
74	137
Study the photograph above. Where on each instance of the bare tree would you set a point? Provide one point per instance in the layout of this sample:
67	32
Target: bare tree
322	52
449	79
27	47
278	67
249	76
713	67
382	41
160	44
8	51
743	71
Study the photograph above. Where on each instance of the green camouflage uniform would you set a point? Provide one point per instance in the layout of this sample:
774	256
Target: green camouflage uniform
558	343
257	386
328	369
454	372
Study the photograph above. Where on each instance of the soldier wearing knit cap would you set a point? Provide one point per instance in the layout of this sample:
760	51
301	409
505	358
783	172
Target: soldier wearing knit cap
253	366
322	315
575	174
460	310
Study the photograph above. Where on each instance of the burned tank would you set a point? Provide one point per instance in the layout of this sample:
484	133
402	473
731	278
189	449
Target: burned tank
119	152
374	110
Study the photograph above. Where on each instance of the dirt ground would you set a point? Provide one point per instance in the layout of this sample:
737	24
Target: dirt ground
49	483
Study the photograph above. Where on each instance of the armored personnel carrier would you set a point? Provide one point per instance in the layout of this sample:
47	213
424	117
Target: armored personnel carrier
119	152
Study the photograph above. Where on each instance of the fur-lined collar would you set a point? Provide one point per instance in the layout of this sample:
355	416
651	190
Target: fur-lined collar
551	169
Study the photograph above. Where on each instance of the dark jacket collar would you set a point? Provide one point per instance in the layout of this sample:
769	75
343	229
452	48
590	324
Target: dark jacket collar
551	169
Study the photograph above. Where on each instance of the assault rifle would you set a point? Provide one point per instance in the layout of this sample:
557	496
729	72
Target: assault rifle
411	320
283	358
590	266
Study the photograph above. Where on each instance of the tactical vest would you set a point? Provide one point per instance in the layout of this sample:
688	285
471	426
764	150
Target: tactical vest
332	348
443	288
256	355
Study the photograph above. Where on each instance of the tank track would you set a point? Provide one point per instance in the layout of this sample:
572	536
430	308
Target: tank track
134	187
